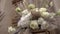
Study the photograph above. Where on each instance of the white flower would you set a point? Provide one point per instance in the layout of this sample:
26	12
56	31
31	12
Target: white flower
40	20
24	20
42	10
11	29
34	25
45	14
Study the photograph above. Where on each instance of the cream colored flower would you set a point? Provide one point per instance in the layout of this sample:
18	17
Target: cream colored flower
45	14
11	29
34	25
42	10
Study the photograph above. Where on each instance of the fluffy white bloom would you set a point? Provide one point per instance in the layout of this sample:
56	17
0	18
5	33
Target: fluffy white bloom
24	21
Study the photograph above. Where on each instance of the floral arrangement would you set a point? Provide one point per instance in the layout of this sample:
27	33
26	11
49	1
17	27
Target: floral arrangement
35	18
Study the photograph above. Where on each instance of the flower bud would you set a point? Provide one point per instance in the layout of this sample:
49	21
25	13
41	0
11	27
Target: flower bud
18	9
31	6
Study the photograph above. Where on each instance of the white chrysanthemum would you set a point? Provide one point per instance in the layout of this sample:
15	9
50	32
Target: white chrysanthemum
42	10
34	25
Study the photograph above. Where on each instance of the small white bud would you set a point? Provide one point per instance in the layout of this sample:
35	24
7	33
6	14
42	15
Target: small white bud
11	29
31	6
18	9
